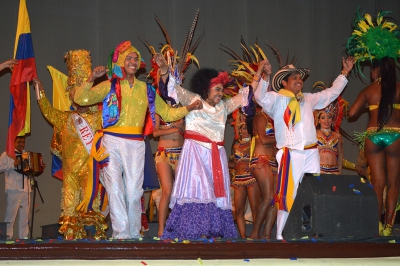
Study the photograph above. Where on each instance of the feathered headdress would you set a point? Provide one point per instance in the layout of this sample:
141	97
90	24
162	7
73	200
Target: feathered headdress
373	39
178	63
239	119
246	67
338	109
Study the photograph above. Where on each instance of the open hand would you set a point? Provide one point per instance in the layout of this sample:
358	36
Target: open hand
161	62
348	63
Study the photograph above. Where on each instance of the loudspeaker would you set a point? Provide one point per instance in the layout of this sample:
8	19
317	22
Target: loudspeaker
333	206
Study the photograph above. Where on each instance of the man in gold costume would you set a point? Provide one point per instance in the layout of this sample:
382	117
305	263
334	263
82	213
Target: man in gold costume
72	141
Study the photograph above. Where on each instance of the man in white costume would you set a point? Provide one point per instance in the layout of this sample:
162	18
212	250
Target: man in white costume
292	112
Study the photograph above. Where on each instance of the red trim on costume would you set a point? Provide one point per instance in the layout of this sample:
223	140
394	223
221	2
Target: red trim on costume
219	189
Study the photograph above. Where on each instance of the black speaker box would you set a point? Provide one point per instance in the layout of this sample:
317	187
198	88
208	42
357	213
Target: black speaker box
333	206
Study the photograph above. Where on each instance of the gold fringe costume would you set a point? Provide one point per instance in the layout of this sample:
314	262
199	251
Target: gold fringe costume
75	172
67	145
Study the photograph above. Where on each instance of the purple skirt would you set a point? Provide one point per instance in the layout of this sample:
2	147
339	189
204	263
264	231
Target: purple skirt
194	220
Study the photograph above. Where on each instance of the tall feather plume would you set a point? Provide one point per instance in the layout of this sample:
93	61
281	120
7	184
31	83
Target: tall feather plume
276	53
231	52
187	43
148	46
194	46
246	53
165	32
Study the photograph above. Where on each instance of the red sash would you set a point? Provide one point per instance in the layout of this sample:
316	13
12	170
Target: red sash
218	178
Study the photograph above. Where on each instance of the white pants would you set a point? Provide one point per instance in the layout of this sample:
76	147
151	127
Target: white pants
17	200
306	161
123	181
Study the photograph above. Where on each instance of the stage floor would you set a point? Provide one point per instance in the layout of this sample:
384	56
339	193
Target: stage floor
149	248
207	249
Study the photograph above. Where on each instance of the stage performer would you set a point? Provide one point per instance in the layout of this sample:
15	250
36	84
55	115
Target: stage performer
125	103
8	64
200	201
249	69
75	131
170	134
243	183
329	140
263	162
295	132
382	96
17	188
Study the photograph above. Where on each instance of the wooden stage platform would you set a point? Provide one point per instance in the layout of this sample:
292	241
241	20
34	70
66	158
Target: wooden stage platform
148	248
52	249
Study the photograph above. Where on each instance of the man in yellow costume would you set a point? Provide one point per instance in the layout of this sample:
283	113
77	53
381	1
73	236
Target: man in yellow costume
121	140
72	141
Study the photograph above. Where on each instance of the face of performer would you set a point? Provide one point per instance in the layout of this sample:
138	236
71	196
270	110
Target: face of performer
375	73
294	83
81	109
131	64
325	120
243	133
19	143
78	108
215	94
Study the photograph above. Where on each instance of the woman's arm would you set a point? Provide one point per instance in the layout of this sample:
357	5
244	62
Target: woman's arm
163	132
88	95
55	117
180	94
358	106
263	72
240	99
232	163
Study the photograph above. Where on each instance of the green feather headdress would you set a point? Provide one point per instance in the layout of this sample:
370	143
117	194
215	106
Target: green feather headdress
372	40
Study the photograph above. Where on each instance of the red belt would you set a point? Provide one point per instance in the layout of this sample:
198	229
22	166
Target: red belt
218	177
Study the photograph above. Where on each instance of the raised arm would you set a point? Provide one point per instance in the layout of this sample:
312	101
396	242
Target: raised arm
88	95
180	94
55	117
175	91
263	73
241	99
324	98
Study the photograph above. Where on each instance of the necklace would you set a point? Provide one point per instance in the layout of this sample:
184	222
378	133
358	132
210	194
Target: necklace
244	140
327	132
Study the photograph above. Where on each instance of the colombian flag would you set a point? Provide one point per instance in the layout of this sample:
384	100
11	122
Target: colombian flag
24	71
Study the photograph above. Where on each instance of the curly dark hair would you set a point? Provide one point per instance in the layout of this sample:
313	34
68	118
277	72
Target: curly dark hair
200	82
